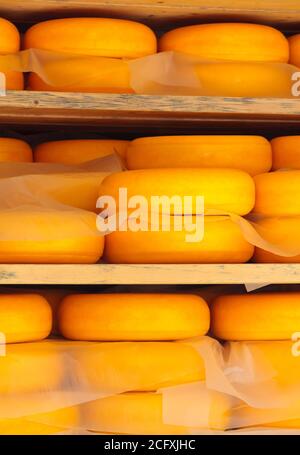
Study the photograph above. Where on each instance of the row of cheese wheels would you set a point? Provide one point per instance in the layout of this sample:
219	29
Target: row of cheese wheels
139	369
252	154
239	46
146	317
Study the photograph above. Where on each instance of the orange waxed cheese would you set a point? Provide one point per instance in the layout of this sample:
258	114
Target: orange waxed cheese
92	37
277	193
14	80
24	317
78	151
223	242
228	41
251	154
294	42
224	190
273	316
9	37
286	152
49	236
133	317
14	150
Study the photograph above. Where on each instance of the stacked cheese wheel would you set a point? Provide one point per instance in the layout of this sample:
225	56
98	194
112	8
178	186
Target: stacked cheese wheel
10	44
184	236
95	61
262	326
139	357
238	59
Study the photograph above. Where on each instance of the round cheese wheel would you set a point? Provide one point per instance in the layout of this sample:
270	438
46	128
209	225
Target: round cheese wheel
126	317
244	79
13	80
228	41
286	152
278	193
24	317
58	421
273	316
14	150
223	242
294	42
224	190
92	36
76	151
149	413
251	154
138	366
83	74
9	37
49	237
280	231
38	364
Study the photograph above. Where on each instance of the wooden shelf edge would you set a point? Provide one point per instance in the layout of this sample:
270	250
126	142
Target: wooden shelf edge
109	274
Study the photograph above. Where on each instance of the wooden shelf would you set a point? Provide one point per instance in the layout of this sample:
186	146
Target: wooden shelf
285	13
128	111
150	274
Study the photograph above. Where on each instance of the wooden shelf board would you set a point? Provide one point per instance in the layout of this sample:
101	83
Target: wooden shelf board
106	274
157	12
53	108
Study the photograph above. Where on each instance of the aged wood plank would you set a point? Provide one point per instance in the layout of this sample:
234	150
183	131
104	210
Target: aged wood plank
44	108
157	12
150	274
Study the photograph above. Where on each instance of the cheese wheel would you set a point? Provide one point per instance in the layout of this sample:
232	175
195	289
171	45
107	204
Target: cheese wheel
294	42
83	74
224	190
283	232
278	193
47	423
24	317
147	413
38	364
50	237
223	242
286	152
251	154
228	41
92	36
138	366
13	80
274	316
12	150
244	79
9	37
77	151
126	317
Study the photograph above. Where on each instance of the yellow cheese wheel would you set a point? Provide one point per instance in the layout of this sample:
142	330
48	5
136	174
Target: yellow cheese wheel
83	74
286	152
228	41
24	317
244	79
9	37
294	42
13	80
126	317
77	151
222	242
38	364
92	36
273	316
251	154
280	231
146	413
278	193
58	421
223	189
14	150
49	236
138	366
